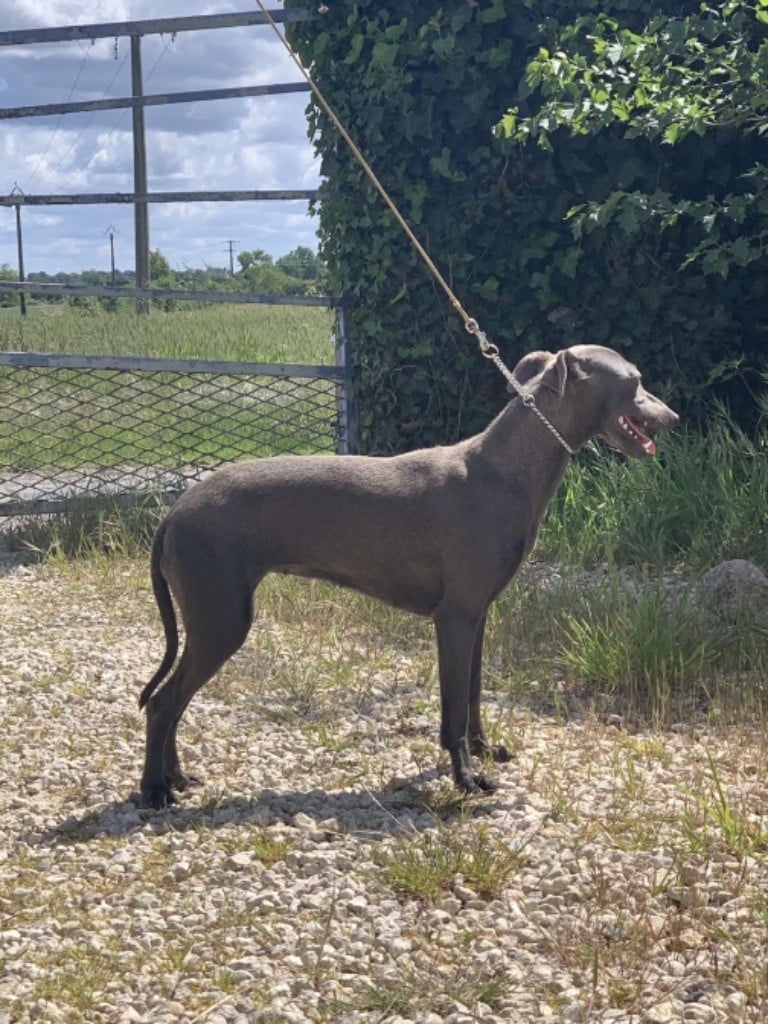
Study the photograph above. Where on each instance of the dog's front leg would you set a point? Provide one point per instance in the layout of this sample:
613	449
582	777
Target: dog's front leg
456	633
478	742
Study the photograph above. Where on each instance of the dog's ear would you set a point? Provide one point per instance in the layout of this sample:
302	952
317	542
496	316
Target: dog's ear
556	375
576	369
565	366
530	366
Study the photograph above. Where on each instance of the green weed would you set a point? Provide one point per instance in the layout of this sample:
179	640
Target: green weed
714	820
702	500
427	869
89	527
418	989
640	646
248	333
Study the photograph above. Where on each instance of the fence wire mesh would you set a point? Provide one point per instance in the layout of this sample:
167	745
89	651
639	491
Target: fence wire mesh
143	426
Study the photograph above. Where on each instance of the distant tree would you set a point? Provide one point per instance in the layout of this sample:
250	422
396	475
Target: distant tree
162	276
8	274
301	263
253	259
258	273
270	280
160	270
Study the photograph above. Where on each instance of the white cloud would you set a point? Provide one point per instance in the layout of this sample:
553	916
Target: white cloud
254	143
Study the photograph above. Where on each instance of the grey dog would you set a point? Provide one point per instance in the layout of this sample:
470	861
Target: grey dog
438	532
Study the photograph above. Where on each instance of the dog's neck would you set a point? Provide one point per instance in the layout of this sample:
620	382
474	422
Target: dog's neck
517	427
528	399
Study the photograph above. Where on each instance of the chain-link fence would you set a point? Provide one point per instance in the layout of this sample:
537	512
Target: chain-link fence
75	426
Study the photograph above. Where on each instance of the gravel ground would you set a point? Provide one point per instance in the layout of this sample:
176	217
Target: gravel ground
325	871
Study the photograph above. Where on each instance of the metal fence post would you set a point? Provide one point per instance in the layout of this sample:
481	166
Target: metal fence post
346	409
141	209
20	246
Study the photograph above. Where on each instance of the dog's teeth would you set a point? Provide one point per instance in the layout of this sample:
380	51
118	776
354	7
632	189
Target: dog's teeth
626	426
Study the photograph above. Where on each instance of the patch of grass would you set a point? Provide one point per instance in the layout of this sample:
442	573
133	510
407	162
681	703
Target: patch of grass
446	803
640	645
556	645
89	528
135	421
713	819
267	848
653	654
56	419
418	989
253	333
427	869
76	977
702	500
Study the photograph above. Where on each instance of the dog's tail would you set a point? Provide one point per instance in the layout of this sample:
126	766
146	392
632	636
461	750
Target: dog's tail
167	615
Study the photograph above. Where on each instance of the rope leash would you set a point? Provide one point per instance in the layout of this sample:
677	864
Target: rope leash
487	349
491	352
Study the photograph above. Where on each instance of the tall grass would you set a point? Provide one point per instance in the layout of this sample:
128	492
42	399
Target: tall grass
254	333
702	500
66	419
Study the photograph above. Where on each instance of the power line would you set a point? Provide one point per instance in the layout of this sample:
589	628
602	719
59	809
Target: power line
85	125
121	118
52	135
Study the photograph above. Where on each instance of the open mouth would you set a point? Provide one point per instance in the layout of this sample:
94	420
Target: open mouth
631	427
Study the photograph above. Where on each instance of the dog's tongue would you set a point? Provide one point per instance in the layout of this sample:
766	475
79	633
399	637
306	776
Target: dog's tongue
646	442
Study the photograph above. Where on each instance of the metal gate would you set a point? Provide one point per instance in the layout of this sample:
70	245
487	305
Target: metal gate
76	425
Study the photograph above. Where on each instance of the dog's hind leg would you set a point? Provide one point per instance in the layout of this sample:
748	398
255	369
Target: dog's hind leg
478	742
214	633
456	634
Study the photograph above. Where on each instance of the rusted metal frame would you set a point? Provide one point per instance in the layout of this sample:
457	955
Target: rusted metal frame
158	99
153	26
140	186
220	196
138	364
53	506
130	292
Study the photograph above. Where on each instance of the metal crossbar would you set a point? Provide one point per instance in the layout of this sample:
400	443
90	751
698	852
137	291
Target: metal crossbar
77	426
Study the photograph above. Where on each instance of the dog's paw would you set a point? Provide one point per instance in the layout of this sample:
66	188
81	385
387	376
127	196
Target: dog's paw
497	752
485	785
180	781
476	785
157	795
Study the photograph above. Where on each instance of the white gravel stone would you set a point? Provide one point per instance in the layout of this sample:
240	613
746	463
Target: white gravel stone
267	895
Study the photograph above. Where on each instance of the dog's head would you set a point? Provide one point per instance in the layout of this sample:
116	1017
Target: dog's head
606	396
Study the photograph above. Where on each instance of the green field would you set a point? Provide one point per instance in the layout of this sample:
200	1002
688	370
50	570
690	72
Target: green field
58	419
253	333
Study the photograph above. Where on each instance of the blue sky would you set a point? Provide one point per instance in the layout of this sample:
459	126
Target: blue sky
256	143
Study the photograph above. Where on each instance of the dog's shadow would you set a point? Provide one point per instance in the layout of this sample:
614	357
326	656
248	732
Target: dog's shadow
370	814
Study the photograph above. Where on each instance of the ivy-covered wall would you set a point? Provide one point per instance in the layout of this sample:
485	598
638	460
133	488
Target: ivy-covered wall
420	87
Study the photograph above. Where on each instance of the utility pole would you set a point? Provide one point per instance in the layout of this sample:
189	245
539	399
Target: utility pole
230	243
112	231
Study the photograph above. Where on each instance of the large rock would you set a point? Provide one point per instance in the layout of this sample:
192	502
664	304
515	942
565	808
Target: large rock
736	587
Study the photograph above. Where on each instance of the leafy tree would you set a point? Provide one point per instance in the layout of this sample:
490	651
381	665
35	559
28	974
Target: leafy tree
699	74
160	272
253	259
8	274
300	262
616	229
258	273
